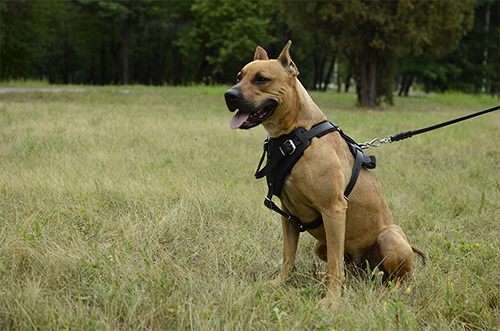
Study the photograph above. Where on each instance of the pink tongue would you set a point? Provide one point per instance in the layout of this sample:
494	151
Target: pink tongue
238	119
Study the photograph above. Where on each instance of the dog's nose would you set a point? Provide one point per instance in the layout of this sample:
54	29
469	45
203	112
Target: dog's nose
232	97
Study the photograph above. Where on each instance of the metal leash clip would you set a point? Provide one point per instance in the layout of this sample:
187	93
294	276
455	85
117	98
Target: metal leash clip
376	142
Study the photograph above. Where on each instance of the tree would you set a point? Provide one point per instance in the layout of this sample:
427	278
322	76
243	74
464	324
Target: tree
183	42
372	34
468	65
224	34
477	55
23	36
121	15
315	44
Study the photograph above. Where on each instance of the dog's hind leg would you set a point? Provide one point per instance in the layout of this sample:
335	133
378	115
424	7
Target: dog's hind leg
393	255
320	250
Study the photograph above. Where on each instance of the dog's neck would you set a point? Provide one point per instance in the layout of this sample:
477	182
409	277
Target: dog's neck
302	112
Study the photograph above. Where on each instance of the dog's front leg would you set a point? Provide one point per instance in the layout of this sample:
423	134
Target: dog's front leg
290	243
334	224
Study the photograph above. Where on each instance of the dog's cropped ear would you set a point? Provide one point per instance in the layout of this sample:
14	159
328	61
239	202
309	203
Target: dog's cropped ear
260	54
286	60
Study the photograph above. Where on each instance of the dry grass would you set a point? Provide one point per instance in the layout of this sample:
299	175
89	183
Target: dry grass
139	210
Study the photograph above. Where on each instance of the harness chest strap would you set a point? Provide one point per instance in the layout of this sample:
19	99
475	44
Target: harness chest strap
282	154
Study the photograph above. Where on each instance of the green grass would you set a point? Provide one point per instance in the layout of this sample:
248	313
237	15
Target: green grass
128	208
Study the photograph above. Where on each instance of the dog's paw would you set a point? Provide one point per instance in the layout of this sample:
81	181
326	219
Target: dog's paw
281	278
328	303
276	282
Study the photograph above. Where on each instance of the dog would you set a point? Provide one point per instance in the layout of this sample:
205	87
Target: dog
357	231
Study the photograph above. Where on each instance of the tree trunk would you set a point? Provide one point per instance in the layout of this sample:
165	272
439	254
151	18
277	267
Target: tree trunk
127	28
201	69
367	86
427	87
177	69
138	75
156	76
102	55
93	67
65	68
114	49
403	83
316	78
329	74
347	82
409	83
321	72
406	83
485	53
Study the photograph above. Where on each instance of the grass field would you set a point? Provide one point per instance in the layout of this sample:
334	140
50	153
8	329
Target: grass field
129	208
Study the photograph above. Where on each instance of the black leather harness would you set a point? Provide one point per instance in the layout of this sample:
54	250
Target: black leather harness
282	154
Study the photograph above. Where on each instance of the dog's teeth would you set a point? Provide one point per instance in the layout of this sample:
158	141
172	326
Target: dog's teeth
257	113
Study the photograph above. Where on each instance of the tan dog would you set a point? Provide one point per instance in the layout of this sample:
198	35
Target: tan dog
360	229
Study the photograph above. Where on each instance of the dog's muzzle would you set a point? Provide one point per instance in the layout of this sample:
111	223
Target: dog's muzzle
248	115
233	99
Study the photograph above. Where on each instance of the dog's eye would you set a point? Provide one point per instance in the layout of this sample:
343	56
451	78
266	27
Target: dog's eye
261	80
238	78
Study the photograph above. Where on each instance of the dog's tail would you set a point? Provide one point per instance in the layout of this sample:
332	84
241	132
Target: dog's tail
421	253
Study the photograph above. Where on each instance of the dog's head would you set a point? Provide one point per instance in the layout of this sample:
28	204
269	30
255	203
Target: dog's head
261	89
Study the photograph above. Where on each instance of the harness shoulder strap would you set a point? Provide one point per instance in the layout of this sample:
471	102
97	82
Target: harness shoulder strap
358	163
361	159
282	154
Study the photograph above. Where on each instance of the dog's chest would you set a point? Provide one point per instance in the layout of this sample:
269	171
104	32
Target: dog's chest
296	195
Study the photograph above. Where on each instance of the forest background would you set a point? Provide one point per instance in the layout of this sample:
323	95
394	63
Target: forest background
380	47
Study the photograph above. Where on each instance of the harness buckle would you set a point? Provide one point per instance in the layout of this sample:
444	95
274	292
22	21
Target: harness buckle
290	145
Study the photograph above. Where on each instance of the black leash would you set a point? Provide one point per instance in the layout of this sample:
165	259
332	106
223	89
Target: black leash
408	134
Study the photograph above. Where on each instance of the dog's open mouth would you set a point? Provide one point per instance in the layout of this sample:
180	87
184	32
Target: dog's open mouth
247	120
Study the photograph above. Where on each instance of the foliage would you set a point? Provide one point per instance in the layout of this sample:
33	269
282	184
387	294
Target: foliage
185	42
472	66
225	34
477	55
372	33
316	42
23	37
